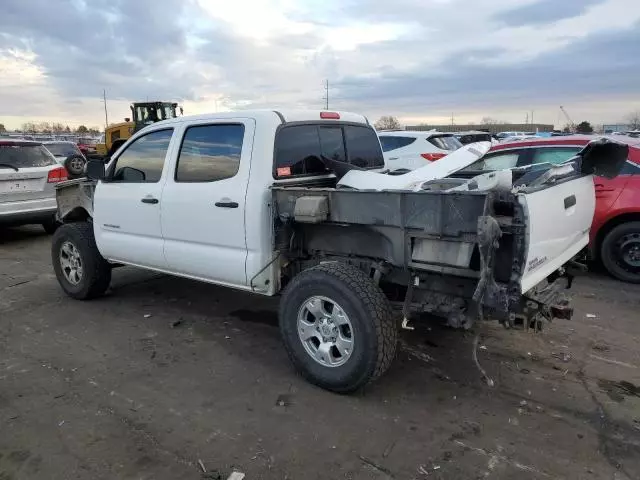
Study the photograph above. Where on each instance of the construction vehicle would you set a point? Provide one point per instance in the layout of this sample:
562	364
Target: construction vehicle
142	114
571	125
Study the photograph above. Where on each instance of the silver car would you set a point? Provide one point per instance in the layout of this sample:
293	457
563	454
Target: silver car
28	175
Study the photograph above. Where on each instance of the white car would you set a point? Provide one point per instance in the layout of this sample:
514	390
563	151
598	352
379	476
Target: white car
406	150
28	174
252	201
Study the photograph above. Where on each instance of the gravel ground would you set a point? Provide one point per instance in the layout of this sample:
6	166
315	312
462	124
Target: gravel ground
164	374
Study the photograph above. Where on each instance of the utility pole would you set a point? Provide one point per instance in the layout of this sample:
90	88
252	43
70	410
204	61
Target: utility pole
531	117
106	116
526	120
326	94
452	124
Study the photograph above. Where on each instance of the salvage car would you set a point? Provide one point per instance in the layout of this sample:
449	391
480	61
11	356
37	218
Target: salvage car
615	232
28	173
254	201
406	150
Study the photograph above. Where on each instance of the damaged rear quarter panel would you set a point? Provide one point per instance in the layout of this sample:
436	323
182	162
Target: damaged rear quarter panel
75	196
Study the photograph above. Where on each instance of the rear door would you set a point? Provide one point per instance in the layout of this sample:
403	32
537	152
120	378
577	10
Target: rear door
203	203
127	205
558	219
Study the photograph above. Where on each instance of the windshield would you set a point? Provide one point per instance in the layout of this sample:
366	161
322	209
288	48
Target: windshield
153	113
24	156
62	149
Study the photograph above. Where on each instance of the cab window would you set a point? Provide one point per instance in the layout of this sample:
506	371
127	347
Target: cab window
143	160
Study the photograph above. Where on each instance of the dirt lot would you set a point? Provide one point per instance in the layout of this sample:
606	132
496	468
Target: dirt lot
165	373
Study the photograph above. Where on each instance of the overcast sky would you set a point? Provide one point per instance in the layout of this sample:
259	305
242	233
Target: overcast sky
420	60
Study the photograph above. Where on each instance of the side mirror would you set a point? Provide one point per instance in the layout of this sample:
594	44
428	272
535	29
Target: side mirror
95	170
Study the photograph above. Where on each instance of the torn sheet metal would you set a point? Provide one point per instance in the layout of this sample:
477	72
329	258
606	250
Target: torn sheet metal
461	158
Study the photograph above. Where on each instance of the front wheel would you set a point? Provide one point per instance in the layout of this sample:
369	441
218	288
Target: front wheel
80	269
620	252
337	327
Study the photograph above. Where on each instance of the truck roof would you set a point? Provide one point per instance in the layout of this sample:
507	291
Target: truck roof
278	116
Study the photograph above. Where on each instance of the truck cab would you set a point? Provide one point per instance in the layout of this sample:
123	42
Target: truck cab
251	200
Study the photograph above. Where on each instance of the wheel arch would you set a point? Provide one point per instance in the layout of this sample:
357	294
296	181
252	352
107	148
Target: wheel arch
78	214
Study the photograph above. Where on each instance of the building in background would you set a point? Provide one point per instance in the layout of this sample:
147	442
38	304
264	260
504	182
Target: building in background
619	127
493	128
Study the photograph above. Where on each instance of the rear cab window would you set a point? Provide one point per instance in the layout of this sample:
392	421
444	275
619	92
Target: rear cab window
21	155
300	149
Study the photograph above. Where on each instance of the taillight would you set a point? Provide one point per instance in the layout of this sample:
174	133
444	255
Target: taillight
432	157
330	115
57	175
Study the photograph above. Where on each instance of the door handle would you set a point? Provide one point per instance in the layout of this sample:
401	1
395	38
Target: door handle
393	158
150	200
569	202
227	204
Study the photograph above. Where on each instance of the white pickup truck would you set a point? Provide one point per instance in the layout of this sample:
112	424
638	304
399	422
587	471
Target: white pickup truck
250	200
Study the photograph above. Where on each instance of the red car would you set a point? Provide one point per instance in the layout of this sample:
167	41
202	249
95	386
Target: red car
615	232
87	146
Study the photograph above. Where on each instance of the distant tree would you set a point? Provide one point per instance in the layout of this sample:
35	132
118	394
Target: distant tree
488	121
633	119
82	130
67	129
387	122
567	128
584	127
2	129
28	127
94	131
57	128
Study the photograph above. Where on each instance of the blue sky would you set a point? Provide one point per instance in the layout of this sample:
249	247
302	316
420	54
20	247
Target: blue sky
420	60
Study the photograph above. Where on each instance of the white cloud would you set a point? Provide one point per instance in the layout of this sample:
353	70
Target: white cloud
418	59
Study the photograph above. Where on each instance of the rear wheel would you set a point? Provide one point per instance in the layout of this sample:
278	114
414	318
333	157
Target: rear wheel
620	252
337	327
81	271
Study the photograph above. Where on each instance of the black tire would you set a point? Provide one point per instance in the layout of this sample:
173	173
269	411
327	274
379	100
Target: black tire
375	332
51	225
610	252
96	271
75	165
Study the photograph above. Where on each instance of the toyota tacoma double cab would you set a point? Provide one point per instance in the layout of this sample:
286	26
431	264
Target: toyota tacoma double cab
252	201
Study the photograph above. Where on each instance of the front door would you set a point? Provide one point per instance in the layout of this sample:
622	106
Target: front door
127	205
203	212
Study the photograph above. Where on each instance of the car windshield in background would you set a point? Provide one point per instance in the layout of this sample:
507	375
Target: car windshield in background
62	149
445	142
86	141
474	137
25	156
